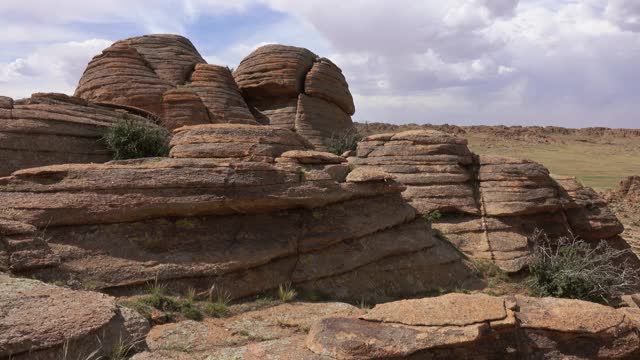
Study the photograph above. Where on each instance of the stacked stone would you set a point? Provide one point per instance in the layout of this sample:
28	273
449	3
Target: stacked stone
293	88
165	75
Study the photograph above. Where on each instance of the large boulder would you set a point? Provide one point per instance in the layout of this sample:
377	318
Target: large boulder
151	72
490	205
50	128
244	207
293	88
41	321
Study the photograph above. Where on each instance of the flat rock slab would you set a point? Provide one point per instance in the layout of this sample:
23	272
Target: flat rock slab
347	338
451	309
273	322
566	315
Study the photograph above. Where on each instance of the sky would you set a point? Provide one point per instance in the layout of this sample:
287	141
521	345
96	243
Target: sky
571	63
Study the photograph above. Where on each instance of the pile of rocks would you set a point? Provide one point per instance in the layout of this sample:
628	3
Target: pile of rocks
277	85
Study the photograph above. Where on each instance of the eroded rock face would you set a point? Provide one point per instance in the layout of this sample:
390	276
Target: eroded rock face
37	320
53	128
155	72
238	206
293	88
490	205
284	86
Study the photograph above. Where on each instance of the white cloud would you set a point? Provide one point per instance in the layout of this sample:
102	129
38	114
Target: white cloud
51	68
499	61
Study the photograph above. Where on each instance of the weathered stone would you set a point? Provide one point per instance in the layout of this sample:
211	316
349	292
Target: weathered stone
318	120
438	311
368	175
274	70
325	81
421	329
39	319
587	212
183	107
347	338
311	157
258	143
6	102
220	94
52	128
121	75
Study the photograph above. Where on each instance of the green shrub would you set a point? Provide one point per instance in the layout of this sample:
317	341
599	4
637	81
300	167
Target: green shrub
435	215
339	143
131	140
572	268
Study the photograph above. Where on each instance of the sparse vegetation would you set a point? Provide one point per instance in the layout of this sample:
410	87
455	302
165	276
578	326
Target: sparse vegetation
131	140
218	305
572	268
286	293
435	215
342	142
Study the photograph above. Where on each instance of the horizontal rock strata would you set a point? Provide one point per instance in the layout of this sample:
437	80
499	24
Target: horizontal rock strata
293	88
155	72
263	213
490	205
52	128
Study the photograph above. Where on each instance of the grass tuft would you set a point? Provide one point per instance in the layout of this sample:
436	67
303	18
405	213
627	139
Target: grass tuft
286	293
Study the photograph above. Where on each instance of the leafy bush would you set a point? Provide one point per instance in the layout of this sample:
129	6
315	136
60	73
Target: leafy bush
131	140
340	143
572	268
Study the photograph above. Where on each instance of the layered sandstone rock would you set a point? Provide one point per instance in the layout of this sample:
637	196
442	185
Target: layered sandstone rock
41	321
453	326
263	213
285	86
490	205
458	326
220	94
292	88
151	72
55	129
183	107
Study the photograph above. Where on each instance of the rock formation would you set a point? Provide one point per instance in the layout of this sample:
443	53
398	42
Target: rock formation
284	86
51	129
245	207
293	88
41	321
490	205
453	326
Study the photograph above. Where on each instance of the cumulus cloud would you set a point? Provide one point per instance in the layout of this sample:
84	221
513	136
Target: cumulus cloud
51	68
460	61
